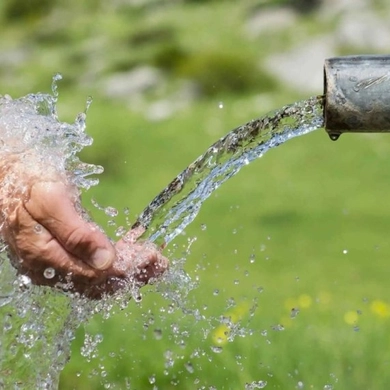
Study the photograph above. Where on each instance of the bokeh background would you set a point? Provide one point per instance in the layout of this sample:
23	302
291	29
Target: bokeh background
288	262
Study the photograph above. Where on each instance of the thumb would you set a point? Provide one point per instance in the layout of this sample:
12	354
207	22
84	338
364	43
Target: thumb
52	204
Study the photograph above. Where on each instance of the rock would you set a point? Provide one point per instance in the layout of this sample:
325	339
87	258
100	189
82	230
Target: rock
270	20
364	30
180	99
134	82
334	7
13	57
302	67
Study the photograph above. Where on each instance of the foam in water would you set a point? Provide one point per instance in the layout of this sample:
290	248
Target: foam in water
38	323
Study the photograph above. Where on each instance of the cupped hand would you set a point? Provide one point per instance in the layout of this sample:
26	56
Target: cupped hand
52	243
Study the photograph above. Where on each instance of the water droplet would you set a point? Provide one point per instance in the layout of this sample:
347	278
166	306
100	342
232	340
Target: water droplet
189	367
216	292
175	328
294	312
345	251
277	327
111	211
152	379
57	77
300	385
137	296
220	105
24	282
328	387
255	385
157	334
216	349
38	229
54	87
120	231
334	377
96	204
49	273
203	226
88	104
334	136
252	258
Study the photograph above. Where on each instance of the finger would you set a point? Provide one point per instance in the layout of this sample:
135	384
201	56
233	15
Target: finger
139	261
36	250
53	205
133	234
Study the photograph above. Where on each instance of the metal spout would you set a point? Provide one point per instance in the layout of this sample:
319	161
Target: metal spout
357	95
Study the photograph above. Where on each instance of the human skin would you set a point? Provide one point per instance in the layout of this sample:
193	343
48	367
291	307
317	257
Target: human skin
45	227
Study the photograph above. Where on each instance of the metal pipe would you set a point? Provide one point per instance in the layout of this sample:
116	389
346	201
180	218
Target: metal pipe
357	94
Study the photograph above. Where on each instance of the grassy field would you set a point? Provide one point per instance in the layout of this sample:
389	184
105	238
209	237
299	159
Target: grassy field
288	261
297	239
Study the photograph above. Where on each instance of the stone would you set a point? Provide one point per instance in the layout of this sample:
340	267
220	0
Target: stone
364	30
270	20
302	67
134	82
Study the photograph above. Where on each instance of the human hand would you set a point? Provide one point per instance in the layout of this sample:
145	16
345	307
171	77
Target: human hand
50	241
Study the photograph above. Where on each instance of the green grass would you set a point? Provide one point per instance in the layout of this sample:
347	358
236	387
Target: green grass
312	212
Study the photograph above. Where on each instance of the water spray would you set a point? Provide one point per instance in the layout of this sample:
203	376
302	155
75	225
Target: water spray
357	95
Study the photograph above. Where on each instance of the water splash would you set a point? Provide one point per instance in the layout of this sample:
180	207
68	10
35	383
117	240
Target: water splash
31	123
178	204
37	324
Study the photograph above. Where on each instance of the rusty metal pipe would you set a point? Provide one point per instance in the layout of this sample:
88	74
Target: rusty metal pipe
357	94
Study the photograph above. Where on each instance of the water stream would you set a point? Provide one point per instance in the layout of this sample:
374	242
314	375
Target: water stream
38	323
178	204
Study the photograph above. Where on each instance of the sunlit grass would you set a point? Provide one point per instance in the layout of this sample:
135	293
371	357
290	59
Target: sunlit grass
292	255
298	239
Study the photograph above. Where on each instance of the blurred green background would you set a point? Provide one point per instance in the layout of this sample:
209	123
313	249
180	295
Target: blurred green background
289	260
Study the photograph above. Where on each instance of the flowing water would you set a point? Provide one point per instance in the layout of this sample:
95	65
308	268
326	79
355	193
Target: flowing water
178	204
38	323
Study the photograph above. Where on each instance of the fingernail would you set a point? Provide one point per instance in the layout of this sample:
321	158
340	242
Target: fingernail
101	259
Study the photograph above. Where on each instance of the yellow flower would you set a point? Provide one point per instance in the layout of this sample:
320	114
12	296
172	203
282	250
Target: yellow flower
351	317
220	335
380	308
304	301
238	312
